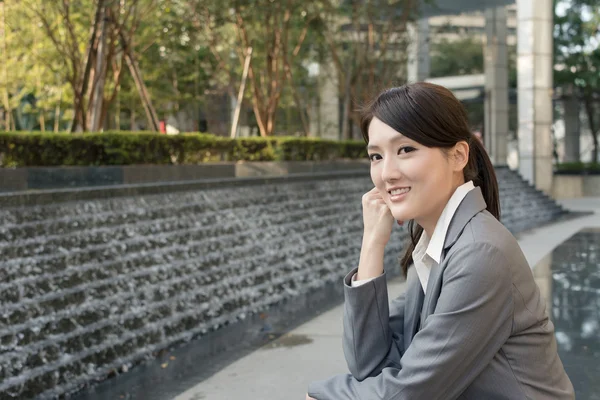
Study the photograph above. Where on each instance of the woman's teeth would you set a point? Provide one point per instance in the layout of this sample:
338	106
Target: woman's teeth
399	191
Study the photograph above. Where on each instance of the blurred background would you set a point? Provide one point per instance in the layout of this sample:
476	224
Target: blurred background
180	180
177	66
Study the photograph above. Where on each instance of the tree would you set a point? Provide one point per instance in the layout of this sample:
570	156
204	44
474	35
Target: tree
276	31
176	60
368	44
5	97
577	56
91	39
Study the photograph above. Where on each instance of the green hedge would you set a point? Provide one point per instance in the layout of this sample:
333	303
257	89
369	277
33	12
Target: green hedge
578	168
23	149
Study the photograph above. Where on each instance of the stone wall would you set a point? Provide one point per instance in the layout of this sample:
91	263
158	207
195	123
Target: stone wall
93	286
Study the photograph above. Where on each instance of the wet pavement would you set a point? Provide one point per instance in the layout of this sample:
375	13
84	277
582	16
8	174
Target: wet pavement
570	280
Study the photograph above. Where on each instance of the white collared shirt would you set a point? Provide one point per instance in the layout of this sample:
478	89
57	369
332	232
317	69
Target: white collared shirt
427	252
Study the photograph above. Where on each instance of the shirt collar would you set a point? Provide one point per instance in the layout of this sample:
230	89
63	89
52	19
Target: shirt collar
436	244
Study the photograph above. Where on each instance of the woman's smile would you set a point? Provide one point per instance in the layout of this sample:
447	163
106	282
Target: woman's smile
398	194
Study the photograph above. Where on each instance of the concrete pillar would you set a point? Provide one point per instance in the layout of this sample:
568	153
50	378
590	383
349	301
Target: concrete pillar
572	128
326	121
418	51
534	75
496	85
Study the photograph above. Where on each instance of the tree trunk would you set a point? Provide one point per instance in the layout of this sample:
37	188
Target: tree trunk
259	117
42	121
589	109
97	96
299	103
118	110
139	83
132	117
57	114
346	113
7	110
80	87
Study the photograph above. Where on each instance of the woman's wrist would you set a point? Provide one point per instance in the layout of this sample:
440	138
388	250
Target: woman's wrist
371	260
370	242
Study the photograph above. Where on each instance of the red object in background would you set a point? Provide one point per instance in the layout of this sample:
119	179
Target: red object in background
163	127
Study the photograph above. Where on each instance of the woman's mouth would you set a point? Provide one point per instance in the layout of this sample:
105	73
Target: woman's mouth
398	194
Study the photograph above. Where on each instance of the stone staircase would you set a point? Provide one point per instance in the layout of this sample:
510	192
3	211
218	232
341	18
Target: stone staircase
90	288
522	206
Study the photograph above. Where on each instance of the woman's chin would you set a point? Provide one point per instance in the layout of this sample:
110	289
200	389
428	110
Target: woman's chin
402	216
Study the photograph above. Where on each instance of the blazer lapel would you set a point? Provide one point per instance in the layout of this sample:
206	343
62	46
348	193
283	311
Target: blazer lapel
414	304
434	275
472	204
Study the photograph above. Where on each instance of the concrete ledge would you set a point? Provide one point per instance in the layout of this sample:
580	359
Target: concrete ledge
574	186
45	178
41	197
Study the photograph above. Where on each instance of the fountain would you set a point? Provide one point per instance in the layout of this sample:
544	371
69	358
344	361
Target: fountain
97	285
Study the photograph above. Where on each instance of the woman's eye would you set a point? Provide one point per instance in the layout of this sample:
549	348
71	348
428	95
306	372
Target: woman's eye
374	157
406	149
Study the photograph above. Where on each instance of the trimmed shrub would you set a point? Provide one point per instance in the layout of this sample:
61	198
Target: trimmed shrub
24	149
578	168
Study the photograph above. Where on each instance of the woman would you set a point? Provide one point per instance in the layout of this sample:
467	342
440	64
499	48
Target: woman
472	323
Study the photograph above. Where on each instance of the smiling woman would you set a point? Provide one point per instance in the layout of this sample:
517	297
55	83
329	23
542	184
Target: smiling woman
428	128
472	323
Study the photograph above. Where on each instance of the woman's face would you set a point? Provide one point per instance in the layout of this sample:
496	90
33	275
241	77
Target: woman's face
415	181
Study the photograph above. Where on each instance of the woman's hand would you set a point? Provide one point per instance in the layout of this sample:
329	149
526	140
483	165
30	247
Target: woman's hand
377	218
309	398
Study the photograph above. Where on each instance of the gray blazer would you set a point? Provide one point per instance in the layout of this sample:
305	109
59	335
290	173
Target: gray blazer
481	332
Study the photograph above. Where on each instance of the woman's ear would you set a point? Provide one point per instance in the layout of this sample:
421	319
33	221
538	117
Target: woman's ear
461	155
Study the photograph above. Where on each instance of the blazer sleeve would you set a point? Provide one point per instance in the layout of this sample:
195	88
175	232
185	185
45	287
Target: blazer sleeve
373	329
471	322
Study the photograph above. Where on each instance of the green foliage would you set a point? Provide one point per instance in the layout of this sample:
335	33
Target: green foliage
191	55
305	149
354	149
577	56
466	57
578	167
38	73
254	149
312	149
460	57
25	149
577	43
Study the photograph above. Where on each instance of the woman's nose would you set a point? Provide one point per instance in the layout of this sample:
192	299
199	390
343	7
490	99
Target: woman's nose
390	171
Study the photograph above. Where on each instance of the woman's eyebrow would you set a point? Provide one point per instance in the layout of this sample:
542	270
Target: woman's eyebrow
393	140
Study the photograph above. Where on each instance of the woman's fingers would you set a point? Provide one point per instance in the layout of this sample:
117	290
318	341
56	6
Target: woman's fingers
372	194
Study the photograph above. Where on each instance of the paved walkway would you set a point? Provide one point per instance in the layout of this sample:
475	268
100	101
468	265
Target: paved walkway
284	368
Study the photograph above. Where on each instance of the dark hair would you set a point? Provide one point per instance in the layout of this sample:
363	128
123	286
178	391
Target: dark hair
430	115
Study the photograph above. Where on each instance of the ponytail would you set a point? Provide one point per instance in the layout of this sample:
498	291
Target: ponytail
480	170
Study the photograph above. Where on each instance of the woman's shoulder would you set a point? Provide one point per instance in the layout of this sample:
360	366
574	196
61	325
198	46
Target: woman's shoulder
485	234
485	228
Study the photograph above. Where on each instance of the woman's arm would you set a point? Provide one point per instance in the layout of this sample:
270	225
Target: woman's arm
471	322
373	330
369	341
